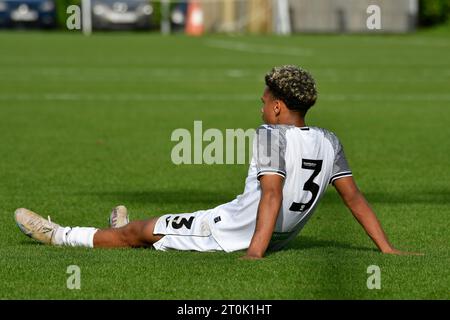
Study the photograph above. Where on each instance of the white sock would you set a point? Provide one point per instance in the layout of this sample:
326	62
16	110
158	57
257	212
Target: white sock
75	237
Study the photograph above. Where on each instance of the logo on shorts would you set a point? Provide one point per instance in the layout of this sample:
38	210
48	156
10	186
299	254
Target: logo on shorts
217	219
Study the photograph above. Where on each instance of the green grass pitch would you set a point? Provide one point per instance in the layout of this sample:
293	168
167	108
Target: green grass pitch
85	125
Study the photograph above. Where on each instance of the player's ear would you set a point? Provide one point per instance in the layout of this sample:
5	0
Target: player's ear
277	107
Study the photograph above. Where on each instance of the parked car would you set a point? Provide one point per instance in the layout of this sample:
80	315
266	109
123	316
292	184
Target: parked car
27	13
121	14
178	17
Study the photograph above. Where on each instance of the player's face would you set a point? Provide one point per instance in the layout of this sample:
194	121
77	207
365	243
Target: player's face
269	114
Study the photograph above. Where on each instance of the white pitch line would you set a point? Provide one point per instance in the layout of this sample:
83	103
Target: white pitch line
386	97
264	49
126	97
214	97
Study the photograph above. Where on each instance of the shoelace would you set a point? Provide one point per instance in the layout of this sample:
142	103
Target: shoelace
39	225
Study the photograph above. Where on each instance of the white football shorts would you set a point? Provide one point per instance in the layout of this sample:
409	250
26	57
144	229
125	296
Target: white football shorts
186	231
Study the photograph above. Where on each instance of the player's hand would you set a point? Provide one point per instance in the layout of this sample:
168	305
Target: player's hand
402	253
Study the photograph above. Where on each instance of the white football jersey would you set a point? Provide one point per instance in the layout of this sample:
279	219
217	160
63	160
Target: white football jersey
308	158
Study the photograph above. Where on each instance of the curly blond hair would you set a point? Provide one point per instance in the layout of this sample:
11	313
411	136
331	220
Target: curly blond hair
294	86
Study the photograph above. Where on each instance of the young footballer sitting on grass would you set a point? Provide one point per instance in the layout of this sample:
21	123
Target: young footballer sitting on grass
291	167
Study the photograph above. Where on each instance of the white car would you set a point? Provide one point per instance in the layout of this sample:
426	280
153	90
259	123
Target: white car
121	14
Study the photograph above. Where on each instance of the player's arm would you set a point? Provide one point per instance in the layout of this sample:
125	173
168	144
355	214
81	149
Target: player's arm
268	209
361	210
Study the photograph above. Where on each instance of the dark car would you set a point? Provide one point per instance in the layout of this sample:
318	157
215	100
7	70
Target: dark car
27	13
178	17
121	14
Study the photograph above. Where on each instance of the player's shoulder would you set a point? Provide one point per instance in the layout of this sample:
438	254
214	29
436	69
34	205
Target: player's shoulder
327	135
282	129
274	129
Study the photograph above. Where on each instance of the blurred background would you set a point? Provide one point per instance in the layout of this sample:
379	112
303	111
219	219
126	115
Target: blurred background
86	124
226	16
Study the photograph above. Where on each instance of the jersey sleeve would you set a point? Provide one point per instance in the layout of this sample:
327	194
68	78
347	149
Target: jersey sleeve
270	151
341	168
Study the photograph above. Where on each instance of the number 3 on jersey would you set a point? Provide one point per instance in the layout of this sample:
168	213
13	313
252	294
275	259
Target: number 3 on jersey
178	222
315	166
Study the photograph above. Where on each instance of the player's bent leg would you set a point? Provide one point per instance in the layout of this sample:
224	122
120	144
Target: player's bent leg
135	234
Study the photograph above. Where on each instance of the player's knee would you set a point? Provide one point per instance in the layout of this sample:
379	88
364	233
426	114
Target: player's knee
130	235
147	231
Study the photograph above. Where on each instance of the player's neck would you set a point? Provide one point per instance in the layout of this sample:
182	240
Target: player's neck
293	121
